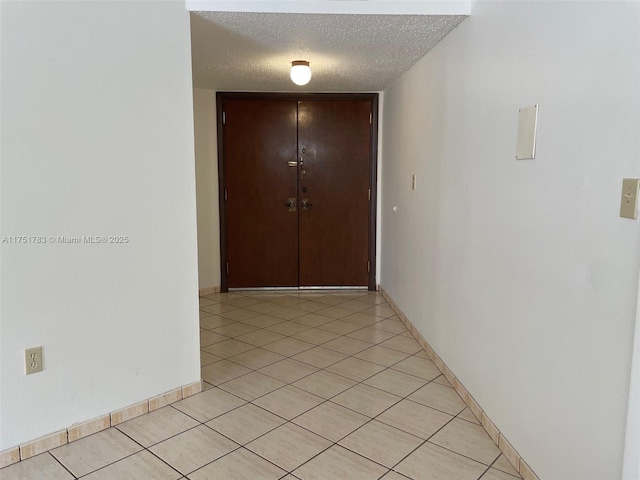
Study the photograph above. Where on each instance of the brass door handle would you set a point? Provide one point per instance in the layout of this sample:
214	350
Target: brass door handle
291	204
304	204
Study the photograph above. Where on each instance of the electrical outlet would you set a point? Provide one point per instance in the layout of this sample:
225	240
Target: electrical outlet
33	360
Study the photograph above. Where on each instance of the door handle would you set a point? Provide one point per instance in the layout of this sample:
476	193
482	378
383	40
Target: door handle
304	204
291	204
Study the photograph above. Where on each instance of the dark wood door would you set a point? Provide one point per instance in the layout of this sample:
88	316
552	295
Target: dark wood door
260	139
318	152
334	140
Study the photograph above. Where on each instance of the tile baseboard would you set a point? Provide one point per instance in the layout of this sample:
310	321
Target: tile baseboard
492	430
83	429
208	291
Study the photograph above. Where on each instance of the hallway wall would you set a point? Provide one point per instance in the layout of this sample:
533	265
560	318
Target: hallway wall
521	274
206	149
97	140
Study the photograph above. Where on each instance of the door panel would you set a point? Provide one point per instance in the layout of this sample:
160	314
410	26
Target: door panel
262	234
334	139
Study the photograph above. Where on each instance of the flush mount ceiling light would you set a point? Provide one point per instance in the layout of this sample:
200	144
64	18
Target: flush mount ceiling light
300	72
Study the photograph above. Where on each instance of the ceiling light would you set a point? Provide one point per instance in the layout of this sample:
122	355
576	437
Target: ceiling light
300	72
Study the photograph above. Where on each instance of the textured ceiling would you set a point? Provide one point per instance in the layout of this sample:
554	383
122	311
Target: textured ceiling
348	53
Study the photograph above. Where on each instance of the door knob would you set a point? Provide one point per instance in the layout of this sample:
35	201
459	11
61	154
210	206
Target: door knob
304	204
291	204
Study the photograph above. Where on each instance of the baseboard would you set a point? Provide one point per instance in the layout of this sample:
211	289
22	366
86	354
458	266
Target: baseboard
208	291
492	430
83	429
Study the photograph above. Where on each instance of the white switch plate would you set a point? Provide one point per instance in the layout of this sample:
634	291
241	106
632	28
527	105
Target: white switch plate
629	199
527	128
413	182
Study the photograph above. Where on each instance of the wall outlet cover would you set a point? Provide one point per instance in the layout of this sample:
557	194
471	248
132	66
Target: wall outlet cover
527	129
33	360
629	199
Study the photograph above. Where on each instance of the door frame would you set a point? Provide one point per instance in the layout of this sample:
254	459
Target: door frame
221	97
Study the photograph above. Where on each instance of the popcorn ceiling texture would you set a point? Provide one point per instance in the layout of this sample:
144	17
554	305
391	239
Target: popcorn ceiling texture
348	53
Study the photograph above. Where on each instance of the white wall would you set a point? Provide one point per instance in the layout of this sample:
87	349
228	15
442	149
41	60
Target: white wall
206	148
631	467
97	139
521	274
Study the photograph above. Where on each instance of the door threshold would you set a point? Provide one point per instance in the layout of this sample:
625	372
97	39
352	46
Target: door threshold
294	289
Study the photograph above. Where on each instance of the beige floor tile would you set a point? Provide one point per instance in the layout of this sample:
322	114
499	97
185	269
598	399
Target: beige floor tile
394	476
331	300
252	385
381	355
338	462
441	380
262	320
341	326
494	474
366	400
402	344
503	465
36	468
246	301
391	326
208	404
288	346
430	462
355	369
395	382
256	358
383	311
324	384
240	315
439	397
316	336
414	418
311	306
234	330
372	335
142	465
288	402
331	421
246	423
355	305
288	313
467	415
193	449
156	426
334	312
222	371
208	358
381	443
288	370
206	301
288	328
214	321
239	465
260	338
313	319
288	446
219	308
364	319
229	348
347	345
207	337
420	367
95	451
288	300
320	357
266	307
467	439
204	314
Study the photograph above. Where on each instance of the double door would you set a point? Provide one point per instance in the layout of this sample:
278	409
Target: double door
297	181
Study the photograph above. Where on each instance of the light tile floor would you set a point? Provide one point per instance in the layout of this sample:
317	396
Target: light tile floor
298	385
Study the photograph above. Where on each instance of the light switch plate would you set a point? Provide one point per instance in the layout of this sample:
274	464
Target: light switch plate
629	199
413	182
527	128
